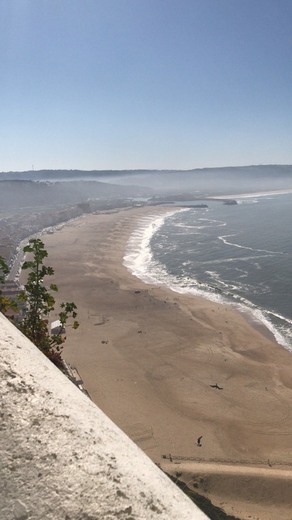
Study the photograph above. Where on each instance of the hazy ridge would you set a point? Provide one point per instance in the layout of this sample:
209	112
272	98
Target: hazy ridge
63	174
32	200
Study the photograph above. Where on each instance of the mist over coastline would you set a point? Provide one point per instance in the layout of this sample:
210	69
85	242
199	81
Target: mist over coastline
213	180
33	200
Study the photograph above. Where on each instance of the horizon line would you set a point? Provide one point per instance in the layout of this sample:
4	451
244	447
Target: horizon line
147	169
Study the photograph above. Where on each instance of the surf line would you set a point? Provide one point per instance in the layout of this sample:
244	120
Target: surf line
223	239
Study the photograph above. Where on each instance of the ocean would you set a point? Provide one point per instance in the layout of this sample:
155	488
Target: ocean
238	254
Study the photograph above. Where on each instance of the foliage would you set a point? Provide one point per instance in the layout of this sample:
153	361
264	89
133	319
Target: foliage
6	303
3	269
40	303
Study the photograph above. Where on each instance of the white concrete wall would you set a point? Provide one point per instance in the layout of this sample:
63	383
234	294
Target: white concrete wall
62	458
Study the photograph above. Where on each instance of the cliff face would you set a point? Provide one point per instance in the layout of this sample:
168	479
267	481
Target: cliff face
61	457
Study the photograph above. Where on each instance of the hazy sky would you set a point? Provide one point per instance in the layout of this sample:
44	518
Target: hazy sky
101	84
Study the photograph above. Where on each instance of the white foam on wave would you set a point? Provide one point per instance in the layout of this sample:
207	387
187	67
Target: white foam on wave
247	201
138	257
234	244
252	195
216	276
139	261
219	223
207	222
243	273
235	259
262	316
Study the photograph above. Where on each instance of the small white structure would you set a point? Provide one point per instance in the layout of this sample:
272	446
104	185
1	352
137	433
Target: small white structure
56	328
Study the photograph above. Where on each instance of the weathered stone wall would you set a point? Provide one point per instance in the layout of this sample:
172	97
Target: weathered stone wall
62	458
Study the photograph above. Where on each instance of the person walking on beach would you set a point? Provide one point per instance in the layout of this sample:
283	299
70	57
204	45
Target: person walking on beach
199	443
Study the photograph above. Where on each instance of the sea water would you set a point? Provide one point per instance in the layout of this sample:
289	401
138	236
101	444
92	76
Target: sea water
239	254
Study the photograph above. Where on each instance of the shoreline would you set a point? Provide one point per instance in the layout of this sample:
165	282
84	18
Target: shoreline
253	314
150	357
252	194
262	324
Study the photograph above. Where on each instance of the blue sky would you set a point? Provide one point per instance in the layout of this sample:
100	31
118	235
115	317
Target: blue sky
121	84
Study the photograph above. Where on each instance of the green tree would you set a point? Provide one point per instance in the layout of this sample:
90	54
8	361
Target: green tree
6	303
40	303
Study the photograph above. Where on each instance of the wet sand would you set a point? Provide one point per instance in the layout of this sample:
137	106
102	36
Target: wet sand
148	356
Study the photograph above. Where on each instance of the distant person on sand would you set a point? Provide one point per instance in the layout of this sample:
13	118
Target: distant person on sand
199	441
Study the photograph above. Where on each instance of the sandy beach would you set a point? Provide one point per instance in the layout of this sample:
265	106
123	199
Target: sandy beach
148	357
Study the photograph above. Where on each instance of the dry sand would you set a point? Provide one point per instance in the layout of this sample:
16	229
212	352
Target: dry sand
148	356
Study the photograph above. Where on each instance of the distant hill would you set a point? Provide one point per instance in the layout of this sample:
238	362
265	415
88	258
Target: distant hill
110	175
71	186
67	175
30	194
33	200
